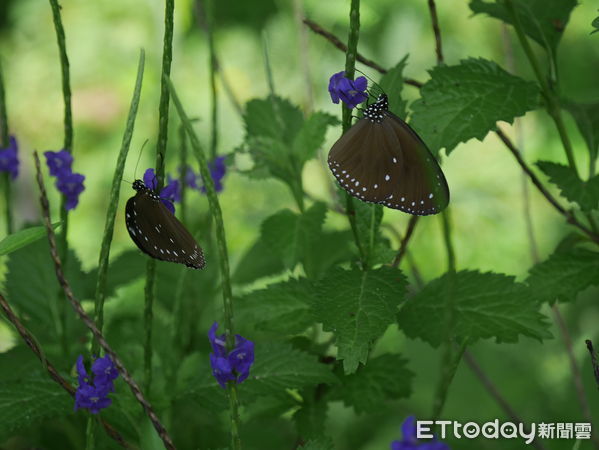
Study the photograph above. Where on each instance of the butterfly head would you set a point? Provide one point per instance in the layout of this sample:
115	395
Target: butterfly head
374	112
139	185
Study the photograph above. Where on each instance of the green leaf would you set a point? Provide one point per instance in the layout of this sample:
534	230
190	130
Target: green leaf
368	223
274	118
281	308
27	401
486	305
124	269
465	101
585	193
319	444
543	21
270	156
392	84
358	307
279	367
325	250
257	262
595	25
384	378
586	116
288	234
564	275
311	136
310	419
22	238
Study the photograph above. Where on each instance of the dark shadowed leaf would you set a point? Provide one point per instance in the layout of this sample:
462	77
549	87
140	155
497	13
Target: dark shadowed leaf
392	84
465	101
585	193
486	305
258	262
357	307
586	116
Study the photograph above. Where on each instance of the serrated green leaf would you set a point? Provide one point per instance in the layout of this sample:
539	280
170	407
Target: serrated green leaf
585	193
368	223
586	116
282	308
279	367
325	250
358	306
319	444
256	263
124	269
274	118
465	101
595	25
310	419
289	234
270	155
311	136
564	275
543	21
21	238
27	401
486	305
392	84
385	377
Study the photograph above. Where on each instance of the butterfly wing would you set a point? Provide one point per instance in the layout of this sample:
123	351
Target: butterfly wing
388	163
158	233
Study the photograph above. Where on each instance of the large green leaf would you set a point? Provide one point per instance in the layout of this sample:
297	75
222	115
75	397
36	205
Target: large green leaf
311	136
22	238
485	305
564	275
357	307
586	116
465	101
256	263
585	193
392	84
384	378
542	20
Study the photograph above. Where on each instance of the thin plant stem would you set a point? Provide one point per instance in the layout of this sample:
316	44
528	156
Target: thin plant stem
68	146
436	31
88	322
32	343
403	246
304	59
450	364
594	362
4	142
213	69
90	434
114	200
163	108
223	258
183	173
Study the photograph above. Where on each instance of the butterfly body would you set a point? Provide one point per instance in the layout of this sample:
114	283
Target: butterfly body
382	160
157	232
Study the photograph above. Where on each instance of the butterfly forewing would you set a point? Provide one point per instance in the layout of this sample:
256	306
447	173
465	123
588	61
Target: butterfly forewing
382	160
157	232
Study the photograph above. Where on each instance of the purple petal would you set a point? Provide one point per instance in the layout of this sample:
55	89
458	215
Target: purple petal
408	430
360	84
169	205
150	179
59	162
217	342
221	369
9	160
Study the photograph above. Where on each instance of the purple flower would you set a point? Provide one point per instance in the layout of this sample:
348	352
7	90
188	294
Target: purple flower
9	161
352	93
190	177
71	185
234	365
410	442
169	193
218	169
93	394
59	162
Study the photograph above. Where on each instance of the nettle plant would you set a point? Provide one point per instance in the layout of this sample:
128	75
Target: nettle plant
307	341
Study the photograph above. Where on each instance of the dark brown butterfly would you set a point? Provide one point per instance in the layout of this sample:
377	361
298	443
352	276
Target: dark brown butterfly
157	232
382	160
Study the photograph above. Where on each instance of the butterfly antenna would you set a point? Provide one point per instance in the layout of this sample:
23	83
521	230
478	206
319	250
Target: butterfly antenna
375	84
139	157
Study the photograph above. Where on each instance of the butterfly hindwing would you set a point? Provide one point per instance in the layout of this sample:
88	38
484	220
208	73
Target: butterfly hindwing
158	233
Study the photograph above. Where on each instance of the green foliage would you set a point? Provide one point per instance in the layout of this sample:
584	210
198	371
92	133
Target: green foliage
257	262
585	193
595	25
357	307
26	401
384	378
392	84
543	20
485	305
310	419
564	275
586	116
318	444
311	136
465	101
22	238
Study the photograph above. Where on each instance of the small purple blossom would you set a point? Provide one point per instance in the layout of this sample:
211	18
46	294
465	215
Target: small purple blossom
352	93
410	442
218	169
232	366
92	394
169	194
59	162
71	185
190	177
9	160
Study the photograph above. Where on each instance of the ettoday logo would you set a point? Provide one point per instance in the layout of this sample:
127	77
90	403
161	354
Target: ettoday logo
426	429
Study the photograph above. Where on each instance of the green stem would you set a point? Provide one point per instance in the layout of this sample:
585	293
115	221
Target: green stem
213	68
552	102
446	218
114	200
451	361
68	146
90	433
183	173
350	70
150	289
4	142
223	257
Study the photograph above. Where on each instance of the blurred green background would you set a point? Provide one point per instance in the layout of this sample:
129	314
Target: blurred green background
103	41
